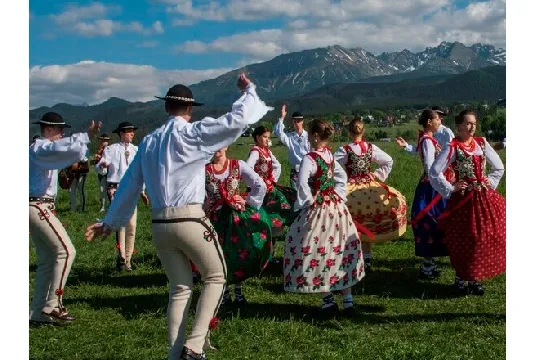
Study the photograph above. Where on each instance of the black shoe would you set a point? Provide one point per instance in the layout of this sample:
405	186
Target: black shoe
327	313
476	289
188	354
240	300
461	290
351	312
428	275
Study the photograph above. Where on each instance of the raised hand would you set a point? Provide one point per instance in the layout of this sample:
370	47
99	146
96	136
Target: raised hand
283	111
401	142
96	230
243	81
93	129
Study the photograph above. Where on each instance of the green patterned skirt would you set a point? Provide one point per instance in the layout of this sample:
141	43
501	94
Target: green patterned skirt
245	238
279	204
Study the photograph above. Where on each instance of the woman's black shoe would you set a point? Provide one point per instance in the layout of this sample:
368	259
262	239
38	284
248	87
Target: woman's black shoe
476	289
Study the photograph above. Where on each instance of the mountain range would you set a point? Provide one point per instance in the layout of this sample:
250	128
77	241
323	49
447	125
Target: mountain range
328	79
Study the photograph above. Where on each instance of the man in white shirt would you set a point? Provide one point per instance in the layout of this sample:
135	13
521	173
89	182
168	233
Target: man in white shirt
114	162
53	246
296	142
443	135
170	162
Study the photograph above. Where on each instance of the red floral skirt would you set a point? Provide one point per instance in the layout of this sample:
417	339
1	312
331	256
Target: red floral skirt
474	225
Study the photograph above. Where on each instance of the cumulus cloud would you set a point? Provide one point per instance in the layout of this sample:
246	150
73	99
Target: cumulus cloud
94	82
371	24
93	20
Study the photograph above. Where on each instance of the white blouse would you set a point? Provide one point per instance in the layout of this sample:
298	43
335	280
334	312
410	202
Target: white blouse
171	159
114	156
308	168
444	135
252	179
447	157
381	158
298	145
46	157
428	152
276	166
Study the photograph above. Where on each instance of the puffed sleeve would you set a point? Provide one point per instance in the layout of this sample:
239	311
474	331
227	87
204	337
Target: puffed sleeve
340	181
340	156
256	184
304	197
384	161
436	173
497	166
252	159
428	152
276	168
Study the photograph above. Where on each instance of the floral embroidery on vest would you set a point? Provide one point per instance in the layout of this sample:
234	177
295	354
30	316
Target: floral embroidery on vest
221	190
263	167
470	168
323	181
358	167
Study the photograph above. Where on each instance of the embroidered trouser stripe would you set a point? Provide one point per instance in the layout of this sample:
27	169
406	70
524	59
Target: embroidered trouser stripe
181	234
56	255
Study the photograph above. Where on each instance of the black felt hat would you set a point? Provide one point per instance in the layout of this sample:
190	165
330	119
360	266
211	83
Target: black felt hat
440	110
124	126
104	136
297	115
180	94
52	119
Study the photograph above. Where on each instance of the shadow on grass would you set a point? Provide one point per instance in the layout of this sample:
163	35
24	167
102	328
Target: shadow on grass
109	276
394	278
371	314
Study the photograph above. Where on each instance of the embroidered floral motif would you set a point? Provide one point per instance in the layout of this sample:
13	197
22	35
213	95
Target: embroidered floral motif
358	166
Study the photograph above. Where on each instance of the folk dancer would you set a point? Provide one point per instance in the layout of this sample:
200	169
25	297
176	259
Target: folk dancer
78	173
114	162
171	162
102	179
474	221
428	205
322	250
443	135
379	211
296	142
54	248
279	200
244	230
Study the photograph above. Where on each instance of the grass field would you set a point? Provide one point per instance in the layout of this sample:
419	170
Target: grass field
123	316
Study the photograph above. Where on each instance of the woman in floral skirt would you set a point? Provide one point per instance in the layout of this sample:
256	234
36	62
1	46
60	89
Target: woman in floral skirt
428	205
322	250
279	200
243	229
378	211
474	221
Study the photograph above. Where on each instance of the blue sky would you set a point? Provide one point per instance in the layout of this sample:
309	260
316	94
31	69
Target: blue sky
87	51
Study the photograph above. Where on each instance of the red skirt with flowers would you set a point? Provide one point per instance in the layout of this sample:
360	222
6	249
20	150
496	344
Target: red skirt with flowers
475	233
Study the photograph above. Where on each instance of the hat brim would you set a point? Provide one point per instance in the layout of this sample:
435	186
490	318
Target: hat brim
298	118
64	125
117	131
192	103
440	112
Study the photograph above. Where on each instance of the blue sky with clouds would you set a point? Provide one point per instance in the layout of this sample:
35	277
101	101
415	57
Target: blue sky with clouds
88	51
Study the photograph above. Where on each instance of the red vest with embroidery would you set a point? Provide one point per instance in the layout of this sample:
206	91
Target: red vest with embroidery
263	167
358	167
322	186
218	191
468	167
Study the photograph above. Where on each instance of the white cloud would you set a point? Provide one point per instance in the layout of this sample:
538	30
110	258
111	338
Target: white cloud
371	24
92	20
183	22
94	82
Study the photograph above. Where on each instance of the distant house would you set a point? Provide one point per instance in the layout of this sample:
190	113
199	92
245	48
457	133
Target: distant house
501	103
